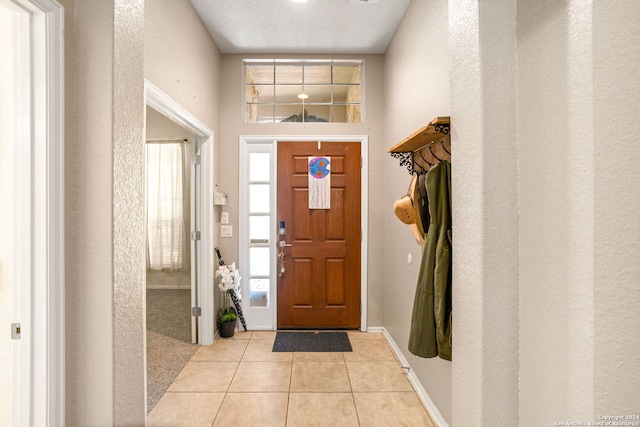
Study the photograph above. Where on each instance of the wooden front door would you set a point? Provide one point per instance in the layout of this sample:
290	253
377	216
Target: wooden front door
320	285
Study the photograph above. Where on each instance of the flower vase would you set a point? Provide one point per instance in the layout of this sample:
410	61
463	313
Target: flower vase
227	329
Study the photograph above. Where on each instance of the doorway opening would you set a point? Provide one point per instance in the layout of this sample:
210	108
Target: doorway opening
170	258
260	234
179	232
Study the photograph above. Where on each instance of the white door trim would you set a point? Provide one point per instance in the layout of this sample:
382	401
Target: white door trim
39	385
243	231
161	102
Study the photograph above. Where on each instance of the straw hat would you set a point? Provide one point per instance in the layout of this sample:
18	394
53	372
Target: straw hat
403	208
407	210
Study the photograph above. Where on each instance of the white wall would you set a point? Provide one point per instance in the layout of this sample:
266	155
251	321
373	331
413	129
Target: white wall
90	355
160	127
232	126
616	127
556	192
6	218
485	212
569	263
576	234
108	46
181	59
416	91
69	204
580	235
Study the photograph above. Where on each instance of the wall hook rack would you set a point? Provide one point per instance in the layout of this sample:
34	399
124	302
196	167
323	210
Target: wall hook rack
421	143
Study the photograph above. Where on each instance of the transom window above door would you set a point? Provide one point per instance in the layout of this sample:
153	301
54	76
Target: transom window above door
278	90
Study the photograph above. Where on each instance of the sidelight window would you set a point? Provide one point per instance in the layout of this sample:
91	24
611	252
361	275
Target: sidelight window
260	215
257	232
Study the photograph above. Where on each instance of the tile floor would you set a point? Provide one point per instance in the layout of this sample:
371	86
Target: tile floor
239	382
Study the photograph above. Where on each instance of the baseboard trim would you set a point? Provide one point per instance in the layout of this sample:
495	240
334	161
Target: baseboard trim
424	397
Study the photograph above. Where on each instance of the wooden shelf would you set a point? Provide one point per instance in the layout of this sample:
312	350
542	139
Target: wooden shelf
437	129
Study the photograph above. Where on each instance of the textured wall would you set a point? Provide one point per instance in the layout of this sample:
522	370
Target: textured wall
91	235
579	234
107	380
128	213
104	187
485	218
578	231
556	179
181	59
616	126
232	126
158	126
416	91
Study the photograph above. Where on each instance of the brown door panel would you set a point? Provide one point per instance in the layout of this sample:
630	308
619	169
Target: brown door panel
321	284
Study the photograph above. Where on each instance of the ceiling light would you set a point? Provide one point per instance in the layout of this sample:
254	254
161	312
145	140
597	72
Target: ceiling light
298	1
303	96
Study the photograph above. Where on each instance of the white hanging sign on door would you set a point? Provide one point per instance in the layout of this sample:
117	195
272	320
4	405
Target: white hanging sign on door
319	182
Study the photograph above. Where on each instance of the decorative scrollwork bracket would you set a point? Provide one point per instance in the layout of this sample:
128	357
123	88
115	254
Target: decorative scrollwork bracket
406	159
436	132
442	128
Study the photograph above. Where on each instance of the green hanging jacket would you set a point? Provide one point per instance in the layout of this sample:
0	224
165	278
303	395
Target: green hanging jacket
430	334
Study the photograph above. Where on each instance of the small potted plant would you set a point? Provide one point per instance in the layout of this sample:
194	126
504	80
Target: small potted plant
228	282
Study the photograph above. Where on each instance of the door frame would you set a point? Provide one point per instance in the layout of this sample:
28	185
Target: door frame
243	214
202	142
39	255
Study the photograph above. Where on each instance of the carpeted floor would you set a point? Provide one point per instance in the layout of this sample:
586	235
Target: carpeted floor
169	345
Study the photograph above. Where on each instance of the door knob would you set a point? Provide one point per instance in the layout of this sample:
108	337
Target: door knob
283	244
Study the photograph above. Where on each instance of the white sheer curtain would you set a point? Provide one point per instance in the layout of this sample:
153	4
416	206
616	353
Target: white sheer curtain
168	204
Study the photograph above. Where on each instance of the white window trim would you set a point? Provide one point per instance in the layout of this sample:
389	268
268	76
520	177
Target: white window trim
39	386
243	213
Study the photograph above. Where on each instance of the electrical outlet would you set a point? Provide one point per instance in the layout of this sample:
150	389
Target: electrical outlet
224	218
226	231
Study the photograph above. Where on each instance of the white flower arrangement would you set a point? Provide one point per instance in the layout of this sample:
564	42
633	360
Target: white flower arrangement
229	278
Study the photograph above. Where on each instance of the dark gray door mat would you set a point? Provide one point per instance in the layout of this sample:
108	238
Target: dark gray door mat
312	342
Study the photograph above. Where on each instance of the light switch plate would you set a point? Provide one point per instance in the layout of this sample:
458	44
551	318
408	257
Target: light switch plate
224	218
226	231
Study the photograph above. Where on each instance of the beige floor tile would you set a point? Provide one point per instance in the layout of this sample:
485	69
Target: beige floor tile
253	409
397	409
262	351
322	356
222	351
185	409
321	410
320	377
244	335
359	335
377	376
263	335
262	377
299	389
369	351
205	376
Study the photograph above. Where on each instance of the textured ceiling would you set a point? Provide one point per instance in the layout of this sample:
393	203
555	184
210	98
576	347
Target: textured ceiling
316	26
